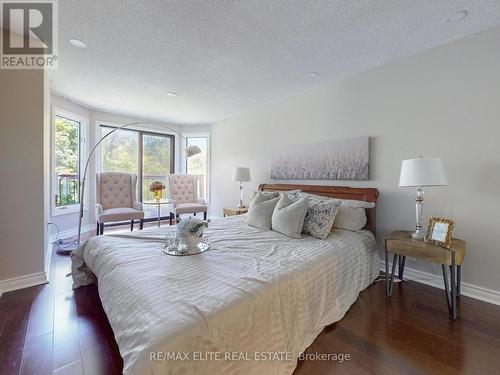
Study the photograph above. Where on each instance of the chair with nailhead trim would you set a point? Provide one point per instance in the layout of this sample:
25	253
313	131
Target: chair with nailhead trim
183	191
116	199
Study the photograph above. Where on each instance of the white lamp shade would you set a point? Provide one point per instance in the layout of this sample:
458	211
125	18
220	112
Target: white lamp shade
422	172
241	174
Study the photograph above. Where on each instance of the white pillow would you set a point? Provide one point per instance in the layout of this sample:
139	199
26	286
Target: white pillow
274	194
344	202
350	218
288	216
267	194
260	211
352	214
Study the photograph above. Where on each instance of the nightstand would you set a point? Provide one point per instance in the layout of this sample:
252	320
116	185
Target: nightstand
401	245
231	211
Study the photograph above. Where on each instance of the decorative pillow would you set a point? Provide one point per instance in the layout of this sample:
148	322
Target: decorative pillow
350	218
260	211
343	202
288	216
267	194
350	214
320	217
275	194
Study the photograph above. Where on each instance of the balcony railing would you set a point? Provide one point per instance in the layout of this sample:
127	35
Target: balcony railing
68	189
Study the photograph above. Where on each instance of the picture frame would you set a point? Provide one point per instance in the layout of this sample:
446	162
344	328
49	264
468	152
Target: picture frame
440	231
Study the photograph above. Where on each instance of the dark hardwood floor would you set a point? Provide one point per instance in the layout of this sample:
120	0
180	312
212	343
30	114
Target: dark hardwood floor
50	329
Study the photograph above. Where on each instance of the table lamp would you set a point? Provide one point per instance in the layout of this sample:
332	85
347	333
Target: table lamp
241	174
418	173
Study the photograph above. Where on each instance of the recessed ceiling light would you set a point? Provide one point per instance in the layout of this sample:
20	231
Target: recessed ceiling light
78	43
171	93
313	74
458	16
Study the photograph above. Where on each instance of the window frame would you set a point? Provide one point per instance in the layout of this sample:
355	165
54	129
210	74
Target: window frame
141	131
82	156
202	134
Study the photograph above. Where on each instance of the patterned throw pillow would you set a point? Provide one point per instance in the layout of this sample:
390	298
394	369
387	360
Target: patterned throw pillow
320	216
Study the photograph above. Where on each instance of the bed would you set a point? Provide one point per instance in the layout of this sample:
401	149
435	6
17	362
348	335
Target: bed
249	305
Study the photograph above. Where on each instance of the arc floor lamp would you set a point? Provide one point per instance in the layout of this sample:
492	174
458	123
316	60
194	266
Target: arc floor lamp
189	151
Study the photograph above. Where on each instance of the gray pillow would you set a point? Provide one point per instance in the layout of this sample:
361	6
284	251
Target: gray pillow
275	194
260	211
267	194
288	216
350	218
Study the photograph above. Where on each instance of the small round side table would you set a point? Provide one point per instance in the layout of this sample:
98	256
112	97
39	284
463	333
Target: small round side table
158	204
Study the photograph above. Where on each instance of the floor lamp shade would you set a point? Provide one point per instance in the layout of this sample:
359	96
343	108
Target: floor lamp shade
192	150
241	174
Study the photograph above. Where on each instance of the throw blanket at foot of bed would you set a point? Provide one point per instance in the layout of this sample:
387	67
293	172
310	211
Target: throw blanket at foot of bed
249	305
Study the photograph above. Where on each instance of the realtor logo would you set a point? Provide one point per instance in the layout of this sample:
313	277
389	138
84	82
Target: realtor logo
29	34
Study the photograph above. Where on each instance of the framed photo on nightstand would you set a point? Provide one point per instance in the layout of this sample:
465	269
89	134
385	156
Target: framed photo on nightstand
440	231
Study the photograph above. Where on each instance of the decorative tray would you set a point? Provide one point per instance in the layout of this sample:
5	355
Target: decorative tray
181	250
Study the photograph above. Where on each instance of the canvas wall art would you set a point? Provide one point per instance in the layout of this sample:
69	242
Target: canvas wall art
346	159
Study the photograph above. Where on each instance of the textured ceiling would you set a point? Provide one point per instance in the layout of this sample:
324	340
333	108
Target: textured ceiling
225	57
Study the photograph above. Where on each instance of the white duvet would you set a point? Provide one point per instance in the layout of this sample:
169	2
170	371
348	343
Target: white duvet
249	305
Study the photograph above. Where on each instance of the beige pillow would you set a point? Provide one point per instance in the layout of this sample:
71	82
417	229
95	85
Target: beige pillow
274	194
267	194
260	211
350	218
288	216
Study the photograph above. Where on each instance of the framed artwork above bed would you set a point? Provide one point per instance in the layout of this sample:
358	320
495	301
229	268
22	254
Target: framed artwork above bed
345	159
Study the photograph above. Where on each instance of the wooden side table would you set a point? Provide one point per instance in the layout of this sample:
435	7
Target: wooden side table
401	245
231	211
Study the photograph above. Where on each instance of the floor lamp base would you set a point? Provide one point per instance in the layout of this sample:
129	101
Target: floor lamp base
66	249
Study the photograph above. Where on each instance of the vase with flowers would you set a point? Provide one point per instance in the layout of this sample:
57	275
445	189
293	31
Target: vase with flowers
157	188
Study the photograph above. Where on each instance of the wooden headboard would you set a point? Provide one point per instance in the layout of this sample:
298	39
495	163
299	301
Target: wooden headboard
342	192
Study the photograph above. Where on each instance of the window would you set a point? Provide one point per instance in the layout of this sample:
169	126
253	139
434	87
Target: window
157	161
198	164
67	154
119	151
149	155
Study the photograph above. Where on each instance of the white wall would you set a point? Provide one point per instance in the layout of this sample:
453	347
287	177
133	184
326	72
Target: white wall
22	228
443	102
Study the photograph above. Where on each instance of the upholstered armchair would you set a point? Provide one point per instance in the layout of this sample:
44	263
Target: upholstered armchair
183	191
116	199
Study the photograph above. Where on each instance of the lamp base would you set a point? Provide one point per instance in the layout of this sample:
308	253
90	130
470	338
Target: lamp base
66	249
418	235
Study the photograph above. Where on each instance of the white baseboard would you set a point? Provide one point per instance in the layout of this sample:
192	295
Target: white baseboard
21	282
466	289
68	233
